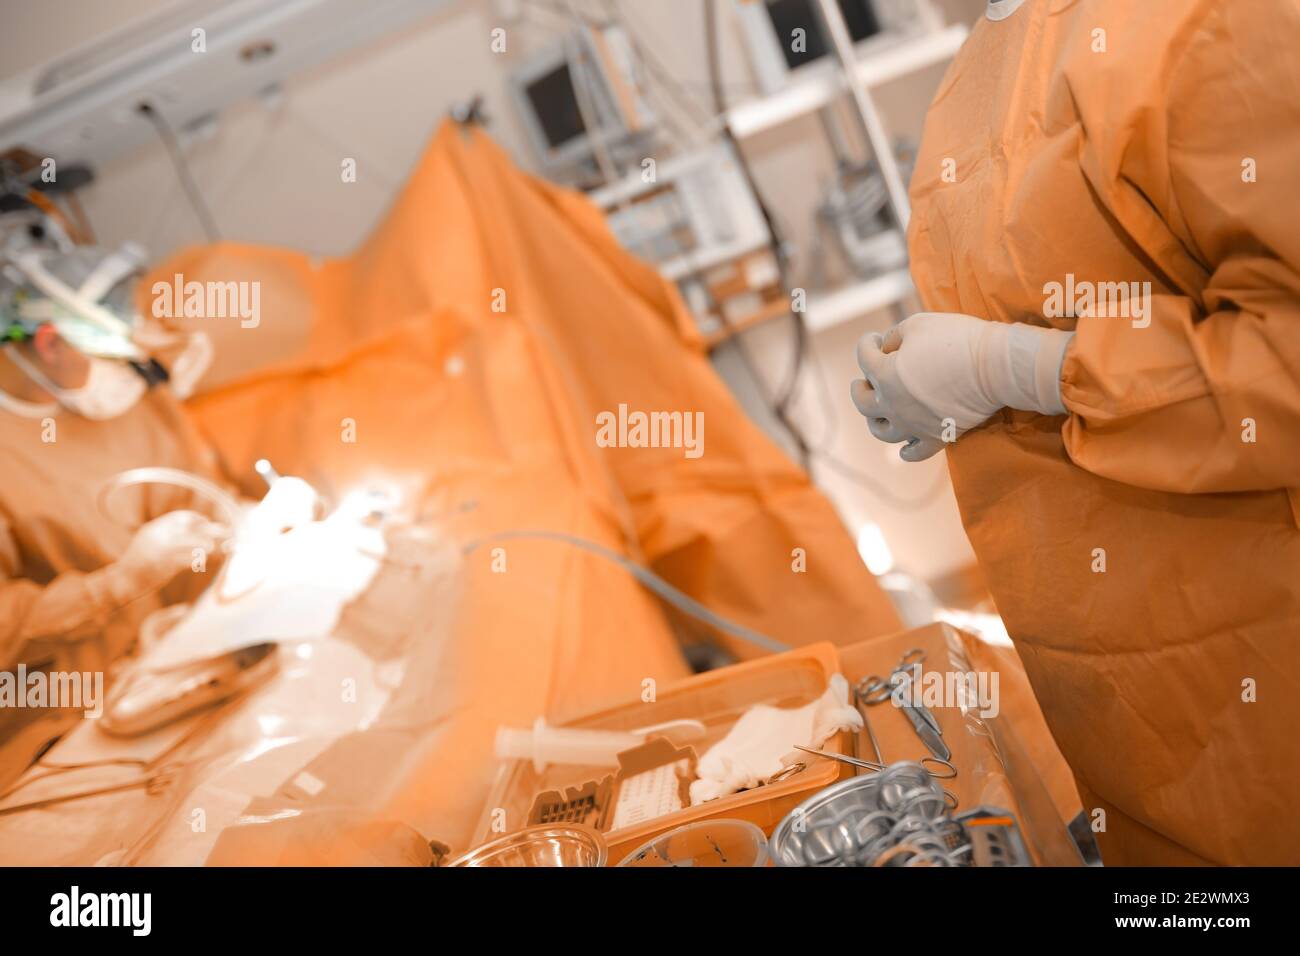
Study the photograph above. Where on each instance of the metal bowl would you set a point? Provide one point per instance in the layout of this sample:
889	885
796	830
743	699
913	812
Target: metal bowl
703	843
543	845
820	831
851	823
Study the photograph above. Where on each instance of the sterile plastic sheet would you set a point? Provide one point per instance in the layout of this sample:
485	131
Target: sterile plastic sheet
254	763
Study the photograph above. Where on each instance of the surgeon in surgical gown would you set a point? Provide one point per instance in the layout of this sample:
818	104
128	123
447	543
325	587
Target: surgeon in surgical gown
1104	234
75	583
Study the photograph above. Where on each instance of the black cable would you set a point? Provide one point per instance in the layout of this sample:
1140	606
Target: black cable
780	408
807	452
781	403
168	137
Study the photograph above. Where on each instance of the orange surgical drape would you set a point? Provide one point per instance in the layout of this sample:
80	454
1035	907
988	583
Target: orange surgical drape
463	353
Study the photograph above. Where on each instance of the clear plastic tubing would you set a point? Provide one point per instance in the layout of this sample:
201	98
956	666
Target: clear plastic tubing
221	499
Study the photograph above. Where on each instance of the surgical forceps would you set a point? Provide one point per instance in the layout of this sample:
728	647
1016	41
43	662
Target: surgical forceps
153	784
901	680
874	766
949	797
860	702
158	772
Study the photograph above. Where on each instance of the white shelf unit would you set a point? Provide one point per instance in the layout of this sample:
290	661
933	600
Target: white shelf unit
713	196
857	299
909	55
803	96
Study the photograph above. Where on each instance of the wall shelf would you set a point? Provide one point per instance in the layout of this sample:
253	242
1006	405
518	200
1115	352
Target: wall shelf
812	93
845	304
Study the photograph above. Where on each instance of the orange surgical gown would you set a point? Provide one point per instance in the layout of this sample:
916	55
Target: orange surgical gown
1144	551
54	536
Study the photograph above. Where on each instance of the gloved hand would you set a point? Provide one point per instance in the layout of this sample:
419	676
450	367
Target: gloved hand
936	375
164	547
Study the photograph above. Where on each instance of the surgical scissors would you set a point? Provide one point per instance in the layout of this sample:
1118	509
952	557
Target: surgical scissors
158	772
860	702
155	783
949	797
901	681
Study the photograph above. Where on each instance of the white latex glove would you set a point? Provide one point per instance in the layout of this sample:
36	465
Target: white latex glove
760	742
164	547
936	375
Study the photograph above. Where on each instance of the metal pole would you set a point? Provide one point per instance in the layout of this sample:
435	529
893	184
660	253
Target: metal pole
872	126
835	135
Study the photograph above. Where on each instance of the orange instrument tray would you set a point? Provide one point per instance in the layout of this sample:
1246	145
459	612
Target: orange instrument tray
716	698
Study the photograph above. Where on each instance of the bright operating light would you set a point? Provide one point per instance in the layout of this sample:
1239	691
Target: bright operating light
371	499
874	550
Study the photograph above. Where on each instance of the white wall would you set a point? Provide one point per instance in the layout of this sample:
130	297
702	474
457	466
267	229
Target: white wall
270	173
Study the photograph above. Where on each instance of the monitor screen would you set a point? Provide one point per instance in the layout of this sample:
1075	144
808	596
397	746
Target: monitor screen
555	104
789	15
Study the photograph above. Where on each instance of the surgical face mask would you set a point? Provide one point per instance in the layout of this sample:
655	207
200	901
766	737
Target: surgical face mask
187	356
111	388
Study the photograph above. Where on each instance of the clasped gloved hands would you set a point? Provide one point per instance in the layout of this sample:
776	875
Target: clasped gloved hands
936	375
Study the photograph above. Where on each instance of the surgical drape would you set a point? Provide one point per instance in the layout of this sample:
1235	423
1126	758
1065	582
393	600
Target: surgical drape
463	353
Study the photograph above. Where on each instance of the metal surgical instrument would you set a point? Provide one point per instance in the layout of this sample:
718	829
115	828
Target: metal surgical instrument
949	797
950	770
877	690
860	700
155	783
